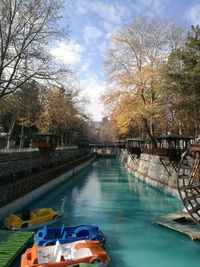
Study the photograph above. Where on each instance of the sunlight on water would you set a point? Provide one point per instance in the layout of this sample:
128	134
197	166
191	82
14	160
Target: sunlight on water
123	207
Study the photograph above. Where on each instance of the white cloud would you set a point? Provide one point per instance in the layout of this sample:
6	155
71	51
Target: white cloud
91	33
83	6
112	12
94	87
193	14
73	53
155	6
85	66
68	52
116	12
109	12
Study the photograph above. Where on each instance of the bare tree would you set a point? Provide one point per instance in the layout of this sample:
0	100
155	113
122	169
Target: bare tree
27	28
23	107
107	131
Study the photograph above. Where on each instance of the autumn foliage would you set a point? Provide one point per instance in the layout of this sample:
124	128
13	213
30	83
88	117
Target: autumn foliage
153	75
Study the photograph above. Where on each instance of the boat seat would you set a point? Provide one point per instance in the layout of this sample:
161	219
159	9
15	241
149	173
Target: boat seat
25	214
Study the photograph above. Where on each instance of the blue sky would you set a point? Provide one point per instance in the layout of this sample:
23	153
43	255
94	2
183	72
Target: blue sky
92	22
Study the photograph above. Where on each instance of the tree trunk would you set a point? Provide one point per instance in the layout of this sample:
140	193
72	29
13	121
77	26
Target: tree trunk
62	139
10	131
149	132
21	144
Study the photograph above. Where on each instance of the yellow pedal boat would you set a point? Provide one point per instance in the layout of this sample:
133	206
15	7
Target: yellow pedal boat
31	220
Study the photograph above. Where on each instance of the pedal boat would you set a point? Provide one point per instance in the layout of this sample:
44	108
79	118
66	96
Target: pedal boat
49	235
63	255
37	219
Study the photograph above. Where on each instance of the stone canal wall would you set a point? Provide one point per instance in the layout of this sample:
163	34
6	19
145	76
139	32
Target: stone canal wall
150	169
43	183
21	162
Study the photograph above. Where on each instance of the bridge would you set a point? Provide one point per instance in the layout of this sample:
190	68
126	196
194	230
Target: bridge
104	149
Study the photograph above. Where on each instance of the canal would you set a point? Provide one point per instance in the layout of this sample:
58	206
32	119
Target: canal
105	194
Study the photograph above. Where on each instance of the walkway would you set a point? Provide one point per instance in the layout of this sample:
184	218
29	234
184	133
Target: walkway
11	244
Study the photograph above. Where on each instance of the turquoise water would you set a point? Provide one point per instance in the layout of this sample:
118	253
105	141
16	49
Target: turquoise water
123	207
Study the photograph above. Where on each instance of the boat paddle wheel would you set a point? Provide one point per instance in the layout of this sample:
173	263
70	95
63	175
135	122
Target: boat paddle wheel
188	181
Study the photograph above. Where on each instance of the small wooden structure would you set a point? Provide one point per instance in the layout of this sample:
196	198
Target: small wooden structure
46	143
171	146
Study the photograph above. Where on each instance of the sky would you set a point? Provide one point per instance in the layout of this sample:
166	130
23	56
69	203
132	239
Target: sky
91	25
